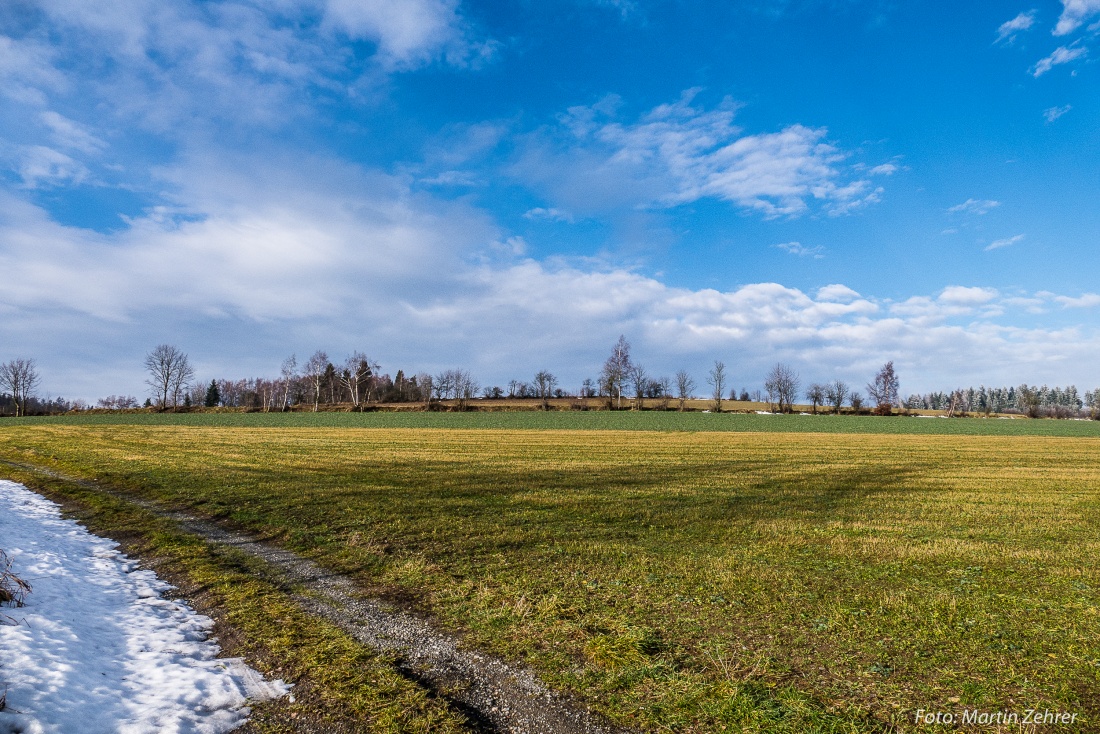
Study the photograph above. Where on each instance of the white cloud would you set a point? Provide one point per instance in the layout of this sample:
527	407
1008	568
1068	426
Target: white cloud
997	244
885	169
975	206
1053	113
252	240
678	153
452	178
1061	55
797	248
69	134
1009	29
40	166
549	214
837	292
1074	13
1088	300
179	68
409	33
27	71
963	295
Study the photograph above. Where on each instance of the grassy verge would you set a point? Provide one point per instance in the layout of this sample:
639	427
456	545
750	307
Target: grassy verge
339	685
694	582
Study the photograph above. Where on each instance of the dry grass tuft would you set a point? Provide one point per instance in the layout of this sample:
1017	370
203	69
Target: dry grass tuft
13	590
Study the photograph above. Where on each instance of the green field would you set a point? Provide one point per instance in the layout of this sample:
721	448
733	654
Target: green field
701	576
597	421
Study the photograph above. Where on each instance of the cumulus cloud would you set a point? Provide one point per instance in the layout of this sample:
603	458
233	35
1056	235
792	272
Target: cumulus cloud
548	214
974	206
958	294
997	244
1061	55
1053	113
837	292
251	240
679	152
797	248
1088	300
1074	13
1022	22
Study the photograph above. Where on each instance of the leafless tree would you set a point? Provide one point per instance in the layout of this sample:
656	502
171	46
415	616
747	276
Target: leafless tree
289	371
465	388
424	385
685	385
544	385
856	401
615	371
169	372
358	370
884	389
716	378
639	381
836	392
20	378
815	393
782	385
315	373
443	385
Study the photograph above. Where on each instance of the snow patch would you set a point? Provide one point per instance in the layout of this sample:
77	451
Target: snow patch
97	648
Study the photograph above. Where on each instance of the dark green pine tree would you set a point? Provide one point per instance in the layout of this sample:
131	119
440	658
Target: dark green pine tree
213	397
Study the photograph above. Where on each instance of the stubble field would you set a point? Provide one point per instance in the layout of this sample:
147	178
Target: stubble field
777	581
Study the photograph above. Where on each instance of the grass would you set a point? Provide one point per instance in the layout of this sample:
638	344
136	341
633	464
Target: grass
670	421
13	590
688	581
338	685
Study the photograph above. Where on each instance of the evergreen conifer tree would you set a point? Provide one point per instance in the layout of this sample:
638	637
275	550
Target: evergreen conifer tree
213	396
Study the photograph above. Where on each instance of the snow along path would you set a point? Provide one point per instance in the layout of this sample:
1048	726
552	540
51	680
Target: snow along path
97	648
497	696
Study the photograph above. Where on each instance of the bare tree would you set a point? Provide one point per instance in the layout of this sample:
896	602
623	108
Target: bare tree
20	378
856	401
782	385
288	370
815	393
544	386
465	388
169	372
424	385
315	373
716	378
615	371
639	380
884	389
685	385
836	392
358	370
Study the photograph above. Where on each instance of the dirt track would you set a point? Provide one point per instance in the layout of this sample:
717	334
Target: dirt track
496	696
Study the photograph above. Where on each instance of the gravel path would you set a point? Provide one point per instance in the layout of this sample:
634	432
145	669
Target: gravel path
497	696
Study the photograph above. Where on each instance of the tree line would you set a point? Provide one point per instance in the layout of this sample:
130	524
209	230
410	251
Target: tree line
357	381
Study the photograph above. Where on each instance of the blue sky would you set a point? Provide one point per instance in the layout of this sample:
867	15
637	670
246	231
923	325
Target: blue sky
507	187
